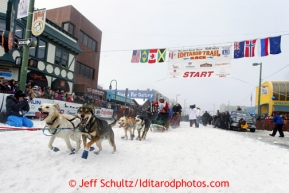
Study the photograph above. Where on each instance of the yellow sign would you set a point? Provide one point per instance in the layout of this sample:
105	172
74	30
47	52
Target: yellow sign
282	103
38	22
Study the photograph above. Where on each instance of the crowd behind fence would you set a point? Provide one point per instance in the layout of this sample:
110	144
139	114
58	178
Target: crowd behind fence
11	86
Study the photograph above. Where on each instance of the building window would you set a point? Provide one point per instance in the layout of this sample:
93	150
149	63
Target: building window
80	38
18	32
2	25
32	50
64	61
87	41
68	27
41	49
84	70
58	56
61	58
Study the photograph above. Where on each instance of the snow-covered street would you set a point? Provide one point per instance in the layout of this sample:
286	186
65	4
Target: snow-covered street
239	162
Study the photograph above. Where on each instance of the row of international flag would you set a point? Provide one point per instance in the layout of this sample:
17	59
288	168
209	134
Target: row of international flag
149	56
270	45
247	48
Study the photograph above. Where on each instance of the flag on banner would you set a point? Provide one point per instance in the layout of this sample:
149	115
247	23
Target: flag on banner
162	55
264	44
135	56
144	56
239	49
250	48
153	56
172	55
275	43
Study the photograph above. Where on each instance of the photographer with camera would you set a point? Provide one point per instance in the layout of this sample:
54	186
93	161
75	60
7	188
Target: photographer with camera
16	107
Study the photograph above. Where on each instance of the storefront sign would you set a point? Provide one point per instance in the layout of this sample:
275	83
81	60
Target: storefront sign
95	91
281	103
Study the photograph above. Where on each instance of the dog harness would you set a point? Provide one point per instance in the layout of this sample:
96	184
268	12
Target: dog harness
70	120
56	130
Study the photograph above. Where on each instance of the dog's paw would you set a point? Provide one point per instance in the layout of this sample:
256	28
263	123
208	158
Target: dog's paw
91	148
84	154
123	137
132	136
55	149
96	153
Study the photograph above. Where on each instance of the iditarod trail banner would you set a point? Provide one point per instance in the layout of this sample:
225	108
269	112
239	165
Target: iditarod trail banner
203	62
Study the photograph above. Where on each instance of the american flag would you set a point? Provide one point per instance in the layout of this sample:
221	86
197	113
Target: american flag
135	56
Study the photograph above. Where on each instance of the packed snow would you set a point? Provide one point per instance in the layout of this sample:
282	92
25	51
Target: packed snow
164	162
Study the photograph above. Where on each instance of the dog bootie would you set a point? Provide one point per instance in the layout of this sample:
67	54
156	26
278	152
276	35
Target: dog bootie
91	148
84	154
72	151
55	149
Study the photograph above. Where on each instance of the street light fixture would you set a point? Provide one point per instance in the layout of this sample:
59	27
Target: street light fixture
110	87
177	97
259	92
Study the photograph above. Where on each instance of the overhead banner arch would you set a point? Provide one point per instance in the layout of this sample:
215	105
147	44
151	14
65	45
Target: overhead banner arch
203	62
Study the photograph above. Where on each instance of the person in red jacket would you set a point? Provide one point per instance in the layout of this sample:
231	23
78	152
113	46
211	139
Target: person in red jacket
163	109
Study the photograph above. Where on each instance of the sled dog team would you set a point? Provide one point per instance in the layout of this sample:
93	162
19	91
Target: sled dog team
88	127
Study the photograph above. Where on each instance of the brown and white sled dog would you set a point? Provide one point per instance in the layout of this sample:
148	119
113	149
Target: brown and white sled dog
127	123
142	126
96	130
60	125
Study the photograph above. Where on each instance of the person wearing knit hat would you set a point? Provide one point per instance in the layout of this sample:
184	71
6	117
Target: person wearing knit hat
16	107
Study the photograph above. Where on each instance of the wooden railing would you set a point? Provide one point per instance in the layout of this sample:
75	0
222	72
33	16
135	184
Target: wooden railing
269	126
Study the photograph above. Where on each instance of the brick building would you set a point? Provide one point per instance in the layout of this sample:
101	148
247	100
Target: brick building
89	40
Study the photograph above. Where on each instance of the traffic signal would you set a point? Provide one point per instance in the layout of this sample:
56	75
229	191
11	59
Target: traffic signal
18	60
33	63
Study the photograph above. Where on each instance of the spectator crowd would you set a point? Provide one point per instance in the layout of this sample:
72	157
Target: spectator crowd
34	91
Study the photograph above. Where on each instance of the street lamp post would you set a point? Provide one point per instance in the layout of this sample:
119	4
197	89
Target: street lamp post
185	106
229	106
110	87
177	97
259	92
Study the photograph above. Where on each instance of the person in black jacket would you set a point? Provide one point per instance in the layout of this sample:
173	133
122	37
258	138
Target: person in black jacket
177	110
16	107
206	118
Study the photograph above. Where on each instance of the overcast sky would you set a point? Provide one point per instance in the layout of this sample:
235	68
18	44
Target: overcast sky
135	24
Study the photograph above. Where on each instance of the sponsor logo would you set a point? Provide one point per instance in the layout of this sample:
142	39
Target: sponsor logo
226	52
105	112
223	64
206	65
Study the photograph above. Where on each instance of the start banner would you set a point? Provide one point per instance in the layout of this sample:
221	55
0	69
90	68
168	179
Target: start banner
197	69
203	62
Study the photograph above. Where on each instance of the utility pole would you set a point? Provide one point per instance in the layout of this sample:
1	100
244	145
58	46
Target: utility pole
229	106
24	67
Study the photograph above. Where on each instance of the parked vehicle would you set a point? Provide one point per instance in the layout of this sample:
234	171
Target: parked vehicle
242	120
